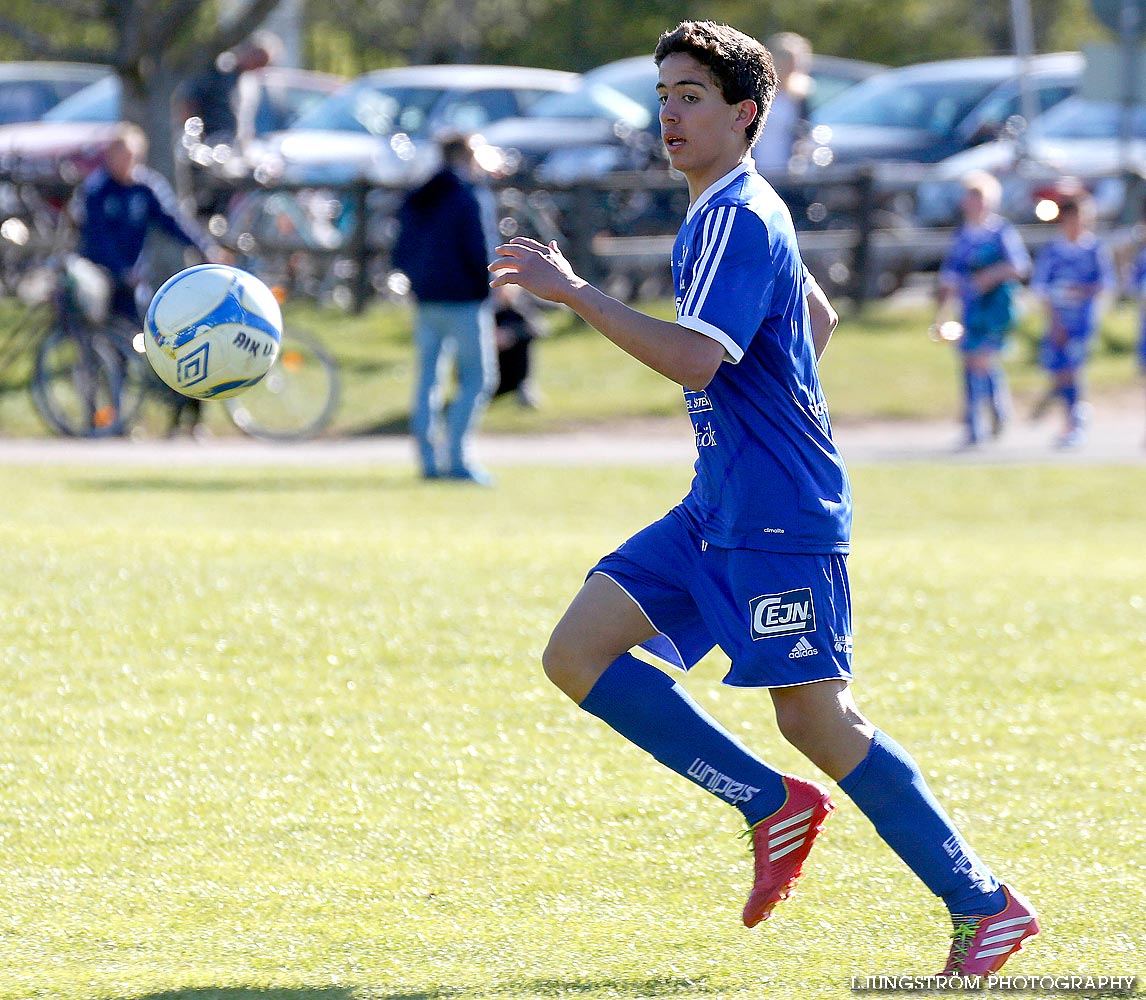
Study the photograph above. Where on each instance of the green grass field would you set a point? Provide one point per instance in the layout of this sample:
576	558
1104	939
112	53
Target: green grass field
880	364
282	735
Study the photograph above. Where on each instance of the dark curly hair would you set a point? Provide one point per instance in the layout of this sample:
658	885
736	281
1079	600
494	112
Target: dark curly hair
741	66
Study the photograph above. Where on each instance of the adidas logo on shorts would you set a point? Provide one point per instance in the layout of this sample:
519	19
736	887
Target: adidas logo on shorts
803	648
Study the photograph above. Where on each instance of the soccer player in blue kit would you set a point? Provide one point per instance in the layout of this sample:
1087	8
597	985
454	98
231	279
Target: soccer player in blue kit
982	270
1138	287
1071	275
754	558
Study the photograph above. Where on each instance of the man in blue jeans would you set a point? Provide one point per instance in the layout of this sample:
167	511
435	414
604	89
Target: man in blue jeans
443	246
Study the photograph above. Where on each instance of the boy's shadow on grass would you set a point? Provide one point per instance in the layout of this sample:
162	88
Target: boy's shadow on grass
536	990
242	482
251	993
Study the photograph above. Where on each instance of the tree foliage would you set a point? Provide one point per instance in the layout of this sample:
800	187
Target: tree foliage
579	34
152	45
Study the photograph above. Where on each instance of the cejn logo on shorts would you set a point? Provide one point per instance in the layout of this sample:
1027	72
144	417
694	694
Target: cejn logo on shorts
789	613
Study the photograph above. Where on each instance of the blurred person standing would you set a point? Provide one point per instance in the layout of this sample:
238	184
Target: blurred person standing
787	121
1138	278
516	327
982	272
445	236
217	96
1072	274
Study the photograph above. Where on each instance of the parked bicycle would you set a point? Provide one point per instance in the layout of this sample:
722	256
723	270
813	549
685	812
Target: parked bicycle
91	378
87	378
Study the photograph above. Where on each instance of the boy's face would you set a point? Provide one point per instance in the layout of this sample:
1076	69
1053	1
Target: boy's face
1076	219
974	205
702	133
120	160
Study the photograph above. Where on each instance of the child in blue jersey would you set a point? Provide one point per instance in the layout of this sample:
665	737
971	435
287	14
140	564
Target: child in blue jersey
1071	274
116	209
982	271
754	559
1138	278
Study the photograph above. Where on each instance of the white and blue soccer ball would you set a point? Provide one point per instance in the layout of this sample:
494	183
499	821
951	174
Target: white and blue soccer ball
212	331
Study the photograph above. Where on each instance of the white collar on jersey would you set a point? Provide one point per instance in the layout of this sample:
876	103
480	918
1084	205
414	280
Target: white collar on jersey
743	167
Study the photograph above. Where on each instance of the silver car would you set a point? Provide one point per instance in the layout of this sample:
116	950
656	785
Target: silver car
380	126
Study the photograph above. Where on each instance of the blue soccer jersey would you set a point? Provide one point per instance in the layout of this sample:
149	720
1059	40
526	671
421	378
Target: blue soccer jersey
1139	280
768	475
1071	276
973	249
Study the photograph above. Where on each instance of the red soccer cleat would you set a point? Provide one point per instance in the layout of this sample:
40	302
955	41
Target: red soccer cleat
781	844
981	945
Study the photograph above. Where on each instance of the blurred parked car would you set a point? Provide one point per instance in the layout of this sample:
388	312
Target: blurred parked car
29	89
551	150
381	125
927	112
68	141
1079	139
585	132
636	78
832	75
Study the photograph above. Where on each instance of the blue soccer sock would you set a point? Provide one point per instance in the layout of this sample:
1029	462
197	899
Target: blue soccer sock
1070	396
650	709
971	402
891	791
999	392
976	394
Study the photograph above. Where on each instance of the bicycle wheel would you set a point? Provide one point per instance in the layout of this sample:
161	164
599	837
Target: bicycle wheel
77	386
297	397
17	346
137	378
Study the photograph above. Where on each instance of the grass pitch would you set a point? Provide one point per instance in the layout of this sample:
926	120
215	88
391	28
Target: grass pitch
880	364
282	735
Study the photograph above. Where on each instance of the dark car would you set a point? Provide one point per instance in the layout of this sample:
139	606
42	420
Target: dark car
1087	142
587	132
929	111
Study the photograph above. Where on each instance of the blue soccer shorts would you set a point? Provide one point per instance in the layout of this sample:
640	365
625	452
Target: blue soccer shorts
974	340
1065	357
782	619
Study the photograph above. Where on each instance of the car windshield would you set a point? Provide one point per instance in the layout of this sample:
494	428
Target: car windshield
25	100
1076	118
595	100
828	86
936	106
281	104
636	83
97	102
374	110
